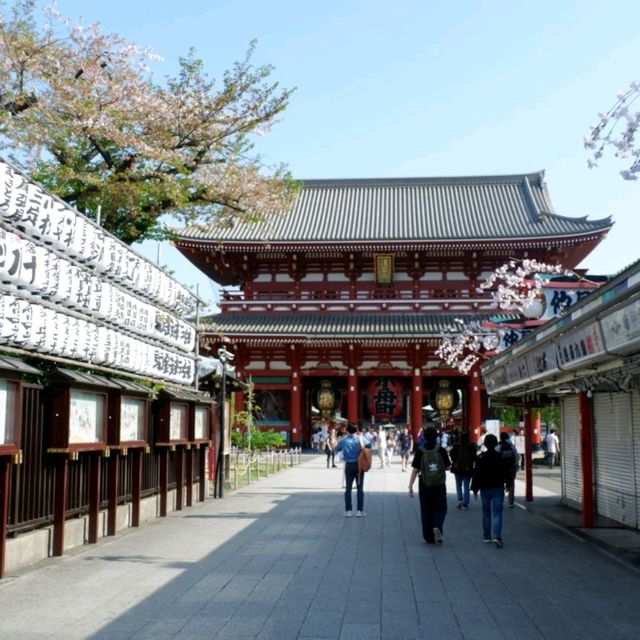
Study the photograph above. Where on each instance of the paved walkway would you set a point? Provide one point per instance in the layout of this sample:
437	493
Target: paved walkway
278	560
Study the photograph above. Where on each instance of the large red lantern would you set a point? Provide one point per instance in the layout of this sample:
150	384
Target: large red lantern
385	398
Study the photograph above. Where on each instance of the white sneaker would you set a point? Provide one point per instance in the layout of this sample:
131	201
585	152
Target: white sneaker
360	514
347	514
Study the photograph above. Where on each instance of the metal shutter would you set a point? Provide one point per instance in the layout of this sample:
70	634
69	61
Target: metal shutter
635	416
570	451
614	458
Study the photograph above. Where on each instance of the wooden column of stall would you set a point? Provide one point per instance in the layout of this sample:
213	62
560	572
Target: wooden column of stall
112	493
164	481
5	492
136	487
60	503
180	452
189	473
94	496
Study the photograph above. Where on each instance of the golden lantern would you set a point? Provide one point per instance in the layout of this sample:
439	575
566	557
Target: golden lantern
326	399
443	398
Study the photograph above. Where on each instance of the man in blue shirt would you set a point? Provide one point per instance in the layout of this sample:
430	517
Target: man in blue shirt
350	446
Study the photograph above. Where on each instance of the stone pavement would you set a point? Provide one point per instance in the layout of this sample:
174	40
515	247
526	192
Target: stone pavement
278	560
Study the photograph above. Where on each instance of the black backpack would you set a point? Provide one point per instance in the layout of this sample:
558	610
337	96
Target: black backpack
464	461
508	454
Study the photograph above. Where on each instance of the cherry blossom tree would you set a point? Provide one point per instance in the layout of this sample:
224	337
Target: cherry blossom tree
514	287
81	112
617	128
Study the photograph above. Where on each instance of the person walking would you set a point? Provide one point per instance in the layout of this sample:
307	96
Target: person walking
405	442
512	461
430	462
553	447
490	477
520	447
382	447
330	447
350	446
463	458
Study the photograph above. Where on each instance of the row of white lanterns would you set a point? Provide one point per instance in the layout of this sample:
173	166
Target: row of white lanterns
33	327
27	206
43	273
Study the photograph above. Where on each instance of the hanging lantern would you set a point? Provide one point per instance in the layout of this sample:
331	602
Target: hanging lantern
443	398
537	307
326	399
385	398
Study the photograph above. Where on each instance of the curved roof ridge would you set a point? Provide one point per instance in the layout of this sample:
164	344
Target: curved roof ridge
536	176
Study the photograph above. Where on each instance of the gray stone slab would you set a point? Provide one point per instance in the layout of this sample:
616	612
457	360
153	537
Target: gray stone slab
278	560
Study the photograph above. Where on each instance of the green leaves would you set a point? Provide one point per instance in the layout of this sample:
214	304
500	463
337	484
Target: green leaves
81	112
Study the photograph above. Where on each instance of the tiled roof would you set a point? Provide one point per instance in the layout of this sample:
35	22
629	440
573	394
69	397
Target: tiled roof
410	209
340	326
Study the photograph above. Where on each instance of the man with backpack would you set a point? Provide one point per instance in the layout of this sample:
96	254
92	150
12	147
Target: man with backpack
512	461
430	462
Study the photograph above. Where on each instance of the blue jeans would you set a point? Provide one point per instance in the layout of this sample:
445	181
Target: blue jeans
462	488
492	505
352	473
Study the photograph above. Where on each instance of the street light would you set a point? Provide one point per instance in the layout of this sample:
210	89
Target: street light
224	356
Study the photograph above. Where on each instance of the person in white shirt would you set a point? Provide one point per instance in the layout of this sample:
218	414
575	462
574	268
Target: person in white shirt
553	448
520	447
382	447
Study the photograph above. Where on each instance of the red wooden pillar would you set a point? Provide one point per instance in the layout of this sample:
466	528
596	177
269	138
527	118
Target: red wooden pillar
112	497
417	397
164	480
586	455
136	487
5	491
60	504
202	468
352	397
179	477
239	400
528	451
296	408
94	496
475	407
189	472
536	428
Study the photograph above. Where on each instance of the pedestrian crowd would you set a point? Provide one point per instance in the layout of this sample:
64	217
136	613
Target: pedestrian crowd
486	469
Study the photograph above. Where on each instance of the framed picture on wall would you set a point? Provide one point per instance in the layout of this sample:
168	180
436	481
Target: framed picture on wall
178	421
202	419
132	419
86	417
8	404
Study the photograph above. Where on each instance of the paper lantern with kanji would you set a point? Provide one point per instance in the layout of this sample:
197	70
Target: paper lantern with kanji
385	398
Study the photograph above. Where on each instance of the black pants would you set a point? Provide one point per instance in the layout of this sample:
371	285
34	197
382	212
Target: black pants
433	509
331	456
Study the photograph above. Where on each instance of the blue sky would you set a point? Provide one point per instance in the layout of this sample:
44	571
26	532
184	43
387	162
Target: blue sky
421	88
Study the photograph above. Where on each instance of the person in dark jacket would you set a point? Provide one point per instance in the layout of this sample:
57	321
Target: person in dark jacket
463	458
490	477
433	495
